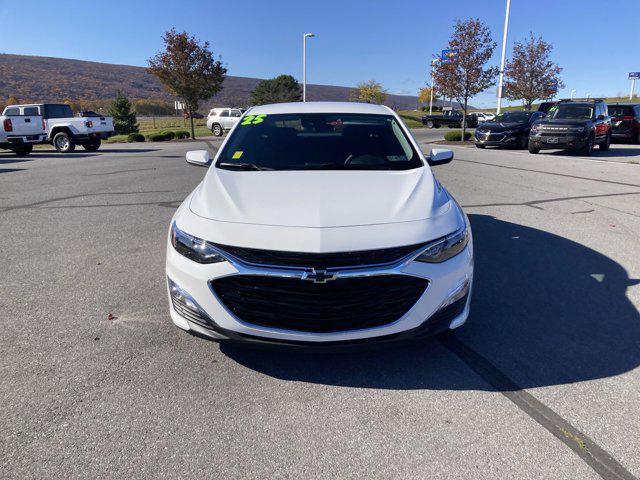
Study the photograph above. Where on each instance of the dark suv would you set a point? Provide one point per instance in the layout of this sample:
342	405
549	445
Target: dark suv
573	125
625	122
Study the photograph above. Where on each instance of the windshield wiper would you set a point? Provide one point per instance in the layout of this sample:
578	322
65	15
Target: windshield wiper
241	166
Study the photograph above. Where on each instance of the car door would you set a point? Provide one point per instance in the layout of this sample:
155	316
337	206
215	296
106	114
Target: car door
600	122
234	116
224	118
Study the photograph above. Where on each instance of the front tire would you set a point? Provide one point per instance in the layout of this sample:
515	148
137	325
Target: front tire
533	150
92	145
64	143
216	129
604	146
480	146
588	148
430	124
22	150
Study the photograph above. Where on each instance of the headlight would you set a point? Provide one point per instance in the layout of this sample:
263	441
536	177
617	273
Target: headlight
194	248
535	128
446	247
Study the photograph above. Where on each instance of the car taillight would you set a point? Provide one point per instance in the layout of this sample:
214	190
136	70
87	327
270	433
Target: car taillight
89	123
8	126
44	125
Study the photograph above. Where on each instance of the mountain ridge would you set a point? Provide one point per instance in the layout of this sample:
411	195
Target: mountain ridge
53	79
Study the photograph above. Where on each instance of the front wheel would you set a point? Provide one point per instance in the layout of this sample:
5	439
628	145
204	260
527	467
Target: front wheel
606	144
588	147
64	143
216	130
480	146
533	149
92	145
430	124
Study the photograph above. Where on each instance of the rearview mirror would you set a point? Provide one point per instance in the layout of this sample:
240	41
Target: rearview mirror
439	156
199	157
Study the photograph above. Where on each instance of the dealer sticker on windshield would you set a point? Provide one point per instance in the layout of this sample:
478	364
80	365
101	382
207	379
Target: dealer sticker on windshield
237	155
253	119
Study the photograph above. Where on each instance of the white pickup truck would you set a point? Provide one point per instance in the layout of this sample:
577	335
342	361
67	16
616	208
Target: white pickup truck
64	131
21	127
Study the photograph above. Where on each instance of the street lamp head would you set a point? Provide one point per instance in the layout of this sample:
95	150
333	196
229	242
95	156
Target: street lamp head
309	34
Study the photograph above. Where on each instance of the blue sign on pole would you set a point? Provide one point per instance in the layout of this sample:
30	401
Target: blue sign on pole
634	75
448	55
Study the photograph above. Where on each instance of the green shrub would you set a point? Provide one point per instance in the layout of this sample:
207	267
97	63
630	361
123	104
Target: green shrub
456	135
182	134
135	137
168	134
156	137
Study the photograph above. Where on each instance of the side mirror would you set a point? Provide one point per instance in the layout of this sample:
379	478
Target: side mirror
439	156
199	157
601	117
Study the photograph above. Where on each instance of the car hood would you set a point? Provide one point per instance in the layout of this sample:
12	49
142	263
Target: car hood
319	198
501	126
562	122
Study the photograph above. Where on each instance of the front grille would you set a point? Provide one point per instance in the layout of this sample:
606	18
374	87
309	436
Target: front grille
320	261
336	306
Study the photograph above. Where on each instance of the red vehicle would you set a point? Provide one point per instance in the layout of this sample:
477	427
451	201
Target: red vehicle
625	122
196	115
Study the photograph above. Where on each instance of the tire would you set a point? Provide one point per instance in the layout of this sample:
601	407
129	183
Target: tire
92	145
604	146
64	143
480	146
523	143
430	124
533	150
216	129
588	148
22	150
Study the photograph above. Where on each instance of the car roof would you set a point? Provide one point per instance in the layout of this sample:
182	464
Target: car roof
321	107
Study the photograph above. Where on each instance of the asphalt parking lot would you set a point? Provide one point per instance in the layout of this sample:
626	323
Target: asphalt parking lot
543	382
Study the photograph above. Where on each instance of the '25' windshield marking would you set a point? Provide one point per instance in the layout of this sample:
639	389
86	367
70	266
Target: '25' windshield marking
253	119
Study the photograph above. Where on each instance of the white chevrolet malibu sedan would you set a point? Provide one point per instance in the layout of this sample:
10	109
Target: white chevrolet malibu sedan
322	224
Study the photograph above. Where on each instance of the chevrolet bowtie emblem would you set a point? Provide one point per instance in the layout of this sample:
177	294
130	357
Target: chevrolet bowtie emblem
319	276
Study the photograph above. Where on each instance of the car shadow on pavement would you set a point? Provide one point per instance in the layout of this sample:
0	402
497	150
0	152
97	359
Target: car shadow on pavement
613	152
545	311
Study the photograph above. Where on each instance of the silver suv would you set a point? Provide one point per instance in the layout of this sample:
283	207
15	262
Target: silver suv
220	120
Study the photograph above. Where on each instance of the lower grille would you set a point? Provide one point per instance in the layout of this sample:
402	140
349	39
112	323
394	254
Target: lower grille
336	306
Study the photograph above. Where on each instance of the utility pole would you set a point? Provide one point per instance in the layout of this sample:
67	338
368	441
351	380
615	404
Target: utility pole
633	88
433	64
504	51
304	65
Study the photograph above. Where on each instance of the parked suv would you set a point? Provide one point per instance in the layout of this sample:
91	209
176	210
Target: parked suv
625	122
573	125
222	119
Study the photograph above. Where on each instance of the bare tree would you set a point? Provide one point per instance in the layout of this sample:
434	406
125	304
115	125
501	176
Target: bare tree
530	75
465	75
188	69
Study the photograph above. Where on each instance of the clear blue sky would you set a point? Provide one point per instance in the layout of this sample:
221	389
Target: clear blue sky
597	42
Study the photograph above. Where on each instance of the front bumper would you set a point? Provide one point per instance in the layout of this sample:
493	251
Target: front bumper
496	139
213	320
557	141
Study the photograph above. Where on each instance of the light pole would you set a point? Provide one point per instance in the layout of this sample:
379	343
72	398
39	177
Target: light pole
433	64
633	87
504	51
304	65
572	92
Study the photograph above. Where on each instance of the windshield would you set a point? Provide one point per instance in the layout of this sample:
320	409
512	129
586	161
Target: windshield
571	111
620	111
513	117
319	141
